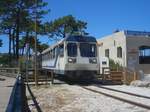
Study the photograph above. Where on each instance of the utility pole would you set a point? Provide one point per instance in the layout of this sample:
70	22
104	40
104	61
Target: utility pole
27	60
35	47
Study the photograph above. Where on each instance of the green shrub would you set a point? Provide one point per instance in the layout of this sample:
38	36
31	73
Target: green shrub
114	65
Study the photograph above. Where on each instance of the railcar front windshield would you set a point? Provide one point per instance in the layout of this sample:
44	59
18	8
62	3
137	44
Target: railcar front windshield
88	50
72	49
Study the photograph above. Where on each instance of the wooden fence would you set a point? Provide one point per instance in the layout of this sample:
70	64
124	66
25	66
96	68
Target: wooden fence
129	76
10	72
124	76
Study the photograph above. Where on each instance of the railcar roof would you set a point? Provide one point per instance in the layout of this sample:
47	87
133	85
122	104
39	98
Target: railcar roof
81	39
52	46
72	39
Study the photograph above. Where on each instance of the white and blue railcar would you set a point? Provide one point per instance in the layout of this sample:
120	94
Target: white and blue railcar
74	56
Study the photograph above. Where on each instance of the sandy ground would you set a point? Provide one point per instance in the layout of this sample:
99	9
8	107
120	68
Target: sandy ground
71	98
6	85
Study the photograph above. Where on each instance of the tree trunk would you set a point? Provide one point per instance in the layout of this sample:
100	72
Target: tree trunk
22	51
10	38
13	43
17	35
29	48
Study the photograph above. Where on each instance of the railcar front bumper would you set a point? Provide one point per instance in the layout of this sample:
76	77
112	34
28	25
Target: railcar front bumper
81	67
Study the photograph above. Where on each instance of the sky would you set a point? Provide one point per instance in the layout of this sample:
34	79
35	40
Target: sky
103	16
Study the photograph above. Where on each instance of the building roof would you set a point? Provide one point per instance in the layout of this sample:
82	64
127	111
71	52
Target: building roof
137	33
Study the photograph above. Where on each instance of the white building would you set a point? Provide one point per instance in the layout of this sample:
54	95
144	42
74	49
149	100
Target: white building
129	48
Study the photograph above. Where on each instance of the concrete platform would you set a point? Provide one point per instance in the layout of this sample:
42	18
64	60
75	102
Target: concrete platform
6	85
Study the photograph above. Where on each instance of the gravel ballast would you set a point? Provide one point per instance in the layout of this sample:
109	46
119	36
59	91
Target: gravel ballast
72	98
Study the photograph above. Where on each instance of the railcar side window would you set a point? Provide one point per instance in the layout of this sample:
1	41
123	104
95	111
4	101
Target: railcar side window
57	51
61	50
72	49
47	56
88	50
50	54
42	57
53	52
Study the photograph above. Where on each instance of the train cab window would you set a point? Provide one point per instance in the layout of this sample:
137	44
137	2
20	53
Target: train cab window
72	49
88	50
61	50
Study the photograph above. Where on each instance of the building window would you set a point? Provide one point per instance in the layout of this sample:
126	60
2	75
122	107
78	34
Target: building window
144	55
114	43
119	52
107	53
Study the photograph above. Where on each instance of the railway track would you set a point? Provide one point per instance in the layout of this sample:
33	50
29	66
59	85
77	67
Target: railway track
123	96
129	93
131	98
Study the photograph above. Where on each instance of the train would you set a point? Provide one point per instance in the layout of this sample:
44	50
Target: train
75	56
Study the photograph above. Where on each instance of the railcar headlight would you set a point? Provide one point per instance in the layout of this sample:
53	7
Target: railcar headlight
71	60
93	60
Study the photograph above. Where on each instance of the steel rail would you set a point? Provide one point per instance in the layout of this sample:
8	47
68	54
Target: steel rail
129	93
118	98
34	99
